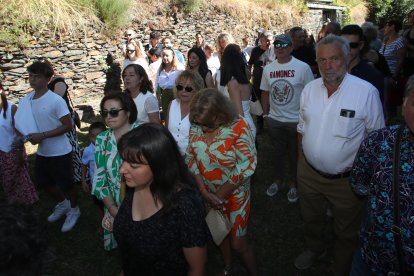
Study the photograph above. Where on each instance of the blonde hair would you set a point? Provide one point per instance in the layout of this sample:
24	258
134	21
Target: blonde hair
138	51
228	38
195	78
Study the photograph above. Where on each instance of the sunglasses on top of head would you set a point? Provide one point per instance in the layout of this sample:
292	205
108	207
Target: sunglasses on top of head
113	112
281	45
186	88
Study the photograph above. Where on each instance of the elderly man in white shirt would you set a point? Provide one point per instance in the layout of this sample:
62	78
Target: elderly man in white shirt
337	111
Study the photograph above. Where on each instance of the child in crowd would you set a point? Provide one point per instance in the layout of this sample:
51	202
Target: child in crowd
88	160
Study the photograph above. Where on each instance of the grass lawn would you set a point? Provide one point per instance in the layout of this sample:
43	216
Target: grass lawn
275	231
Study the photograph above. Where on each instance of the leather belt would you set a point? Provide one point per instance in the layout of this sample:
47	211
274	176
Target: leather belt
328	175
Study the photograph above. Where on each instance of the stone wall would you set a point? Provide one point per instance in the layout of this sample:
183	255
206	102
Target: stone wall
81	60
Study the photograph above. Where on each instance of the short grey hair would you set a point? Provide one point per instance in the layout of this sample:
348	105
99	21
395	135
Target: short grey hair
331	39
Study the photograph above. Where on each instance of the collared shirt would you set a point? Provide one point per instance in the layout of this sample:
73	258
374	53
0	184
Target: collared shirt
334	127
372	176
166	80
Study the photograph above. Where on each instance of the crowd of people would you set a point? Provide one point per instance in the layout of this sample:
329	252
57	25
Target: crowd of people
180	139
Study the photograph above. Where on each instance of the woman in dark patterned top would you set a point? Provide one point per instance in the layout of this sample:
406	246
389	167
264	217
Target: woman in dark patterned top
160	226
372	177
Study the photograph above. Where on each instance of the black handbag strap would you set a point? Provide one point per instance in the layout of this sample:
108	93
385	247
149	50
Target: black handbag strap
396	228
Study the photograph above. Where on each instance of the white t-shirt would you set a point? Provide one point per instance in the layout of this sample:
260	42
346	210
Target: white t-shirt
213	64
47	112
333	128
145	103
141	61
285	83
88	159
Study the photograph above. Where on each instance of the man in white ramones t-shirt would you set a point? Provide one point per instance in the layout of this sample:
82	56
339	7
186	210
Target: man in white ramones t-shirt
282	83
50	120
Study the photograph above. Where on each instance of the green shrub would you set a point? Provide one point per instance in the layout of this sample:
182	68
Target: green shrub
114	13
190	5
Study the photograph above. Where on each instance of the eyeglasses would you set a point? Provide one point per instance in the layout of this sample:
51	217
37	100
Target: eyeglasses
130	51
113	112
281	45
354	45
186	88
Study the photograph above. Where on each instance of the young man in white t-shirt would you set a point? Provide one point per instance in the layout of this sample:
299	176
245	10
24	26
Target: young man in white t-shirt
53	165
282	83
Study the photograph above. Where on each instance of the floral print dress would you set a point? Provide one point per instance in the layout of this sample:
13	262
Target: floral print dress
107	179
230	158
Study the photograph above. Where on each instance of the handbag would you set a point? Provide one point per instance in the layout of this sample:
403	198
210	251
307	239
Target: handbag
219	225
107	221
256	107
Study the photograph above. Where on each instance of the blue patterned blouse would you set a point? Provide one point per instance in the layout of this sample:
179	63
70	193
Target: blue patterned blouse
372	177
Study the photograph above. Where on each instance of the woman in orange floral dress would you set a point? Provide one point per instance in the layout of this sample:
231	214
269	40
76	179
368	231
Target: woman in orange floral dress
222	156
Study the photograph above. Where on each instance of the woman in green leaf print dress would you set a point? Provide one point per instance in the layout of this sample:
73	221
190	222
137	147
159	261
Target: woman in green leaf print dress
222	156
119	112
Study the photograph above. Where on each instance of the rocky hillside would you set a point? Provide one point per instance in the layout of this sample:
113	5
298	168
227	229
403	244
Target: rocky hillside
82	60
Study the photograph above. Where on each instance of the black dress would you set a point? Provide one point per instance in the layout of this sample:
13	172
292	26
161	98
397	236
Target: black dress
72	134
154	246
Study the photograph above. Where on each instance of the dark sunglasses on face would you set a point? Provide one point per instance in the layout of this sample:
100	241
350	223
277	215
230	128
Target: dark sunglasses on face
113	112
281	45
186	88
353	45
130	51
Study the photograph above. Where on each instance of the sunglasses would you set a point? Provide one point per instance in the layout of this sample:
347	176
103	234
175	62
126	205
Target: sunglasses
281	45
354	45
130	51
128	34
113	112
186	88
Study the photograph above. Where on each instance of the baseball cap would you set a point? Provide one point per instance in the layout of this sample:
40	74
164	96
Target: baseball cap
283	38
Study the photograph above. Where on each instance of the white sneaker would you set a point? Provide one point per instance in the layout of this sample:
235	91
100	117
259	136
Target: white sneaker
71	219
292	195
273	189
62	208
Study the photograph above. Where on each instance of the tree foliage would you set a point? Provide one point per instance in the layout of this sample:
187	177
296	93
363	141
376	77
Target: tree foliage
384	10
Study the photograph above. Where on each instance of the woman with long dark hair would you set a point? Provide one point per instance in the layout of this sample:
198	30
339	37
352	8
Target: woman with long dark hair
160	226
234	81
140	88
197	61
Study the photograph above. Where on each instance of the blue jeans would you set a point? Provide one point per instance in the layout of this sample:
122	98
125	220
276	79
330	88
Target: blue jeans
359	268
